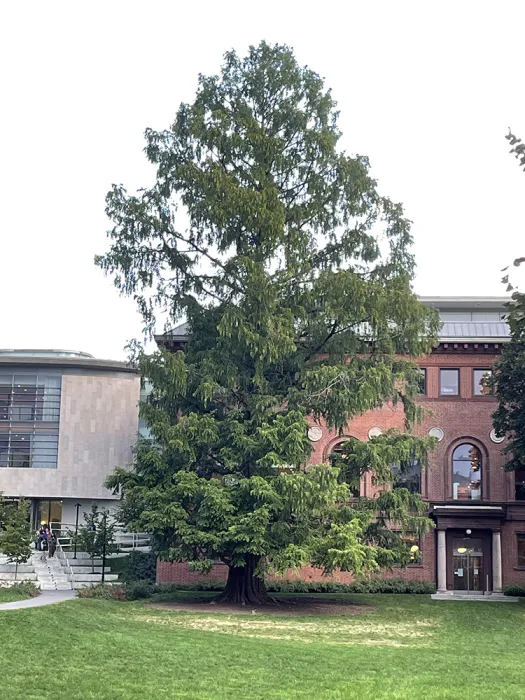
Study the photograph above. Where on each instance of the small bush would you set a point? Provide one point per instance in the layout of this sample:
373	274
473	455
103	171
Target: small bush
103	591
141	589
25	589
138	566
514	590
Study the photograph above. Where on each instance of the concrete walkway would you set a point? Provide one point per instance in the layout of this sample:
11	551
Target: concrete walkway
45	598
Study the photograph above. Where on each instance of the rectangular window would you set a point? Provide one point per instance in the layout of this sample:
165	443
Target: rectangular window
422	382
521	548
481	378
26	398
28	449
408	476
449	382
519	484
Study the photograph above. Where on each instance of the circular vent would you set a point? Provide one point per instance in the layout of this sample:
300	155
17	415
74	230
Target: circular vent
374	432
315	433
495	437
438	433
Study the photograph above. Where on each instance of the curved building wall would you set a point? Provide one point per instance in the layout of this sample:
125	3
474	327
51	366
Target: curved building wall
98	427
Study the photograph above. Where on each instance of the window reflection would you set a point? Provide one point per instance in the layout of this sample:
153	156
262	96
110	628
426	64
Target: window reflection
449	382
408	477
481	382
466	473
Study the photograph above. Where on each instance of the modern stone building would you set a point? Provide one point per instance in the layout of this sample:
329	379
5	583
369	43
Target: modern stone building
478	543
66	420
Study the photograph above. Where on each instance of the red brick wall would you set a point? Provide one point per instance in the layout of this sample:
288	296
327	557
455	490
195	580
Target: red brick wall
180	572
512	574
463	418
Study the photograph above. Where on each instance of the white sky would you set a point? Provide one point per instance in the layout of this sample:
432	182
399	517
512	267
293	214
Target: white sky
426	90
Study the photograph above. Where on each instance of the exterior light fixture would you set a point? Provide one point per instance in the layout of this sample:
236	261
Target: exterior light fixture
462	550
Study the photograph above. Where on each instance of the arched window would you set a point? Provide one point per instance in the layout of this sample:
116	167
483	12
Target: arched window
335	457
409	477
466	473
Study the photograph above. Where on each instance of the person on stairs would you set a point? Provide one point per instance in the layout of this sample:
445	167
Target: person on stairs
52	546
45	548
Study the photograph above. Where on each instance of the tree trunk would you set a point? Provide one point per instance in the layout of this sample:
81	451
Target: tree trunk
243	587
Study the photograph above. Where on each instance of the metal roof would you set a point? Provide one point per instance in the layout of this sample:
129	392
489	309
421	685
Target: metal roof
478	331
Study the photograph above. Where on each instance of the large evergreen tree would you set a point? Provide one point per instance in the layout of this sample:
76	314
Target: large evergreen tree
509	375
286	262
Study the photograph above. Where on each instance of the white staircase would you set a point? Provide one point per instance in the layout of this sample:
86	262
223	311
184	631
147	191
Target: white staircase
10	574
50	574
85	572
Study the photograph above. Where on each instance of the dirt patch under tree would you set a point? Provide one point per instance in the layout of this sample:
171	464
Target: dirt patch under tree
288	606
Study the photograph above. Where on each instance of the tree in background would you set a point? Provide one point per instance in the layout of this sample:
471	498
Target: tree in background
509	372
96	535
286	262
16	537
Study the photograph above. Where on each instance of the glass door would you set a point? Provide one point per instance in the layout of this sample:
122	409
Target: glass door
468	564
49	513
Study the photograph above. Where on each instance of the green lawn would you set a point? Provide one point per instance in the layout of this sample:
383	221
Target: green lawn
409	647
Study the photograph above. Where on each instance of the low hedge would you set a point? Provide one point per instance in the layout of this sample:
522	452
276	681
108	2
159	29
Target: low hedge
138	566
26	589
514	591
361	586
146	589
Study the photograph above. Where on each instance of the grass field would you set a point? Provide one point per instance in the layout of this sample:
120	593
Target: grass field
408	647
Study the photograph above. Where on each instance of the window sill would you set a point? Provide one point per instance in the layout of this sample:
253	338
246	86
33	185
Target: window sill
519	568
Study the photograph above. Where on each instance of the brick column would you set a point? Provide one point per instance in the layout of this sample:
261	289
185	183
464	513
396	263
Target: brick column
496	562
442	561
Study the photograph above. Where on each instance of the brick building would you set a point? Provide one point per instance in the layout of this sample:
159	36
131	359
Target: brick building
478	544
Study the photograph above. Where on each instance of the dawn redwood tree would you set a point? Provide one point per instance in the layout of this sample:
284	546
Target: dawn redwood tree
509	372
294	275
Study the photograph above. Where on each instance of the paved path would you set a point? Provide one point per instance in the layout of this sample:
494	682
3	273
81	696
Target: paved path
45	598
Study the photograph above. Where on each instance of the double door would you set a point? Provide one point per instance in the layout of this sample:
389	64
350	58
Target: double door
468	563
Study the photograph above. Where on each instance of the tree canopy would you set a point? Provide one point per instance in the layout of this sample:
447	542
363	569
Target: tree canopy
294	274
509	371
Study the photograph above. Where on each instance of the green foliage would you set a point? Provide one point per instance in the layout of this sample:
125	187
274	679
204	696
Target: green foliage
97	534
16	537
145	589
24	589
138	566
291	263
514	590
509	373
374	585
103	591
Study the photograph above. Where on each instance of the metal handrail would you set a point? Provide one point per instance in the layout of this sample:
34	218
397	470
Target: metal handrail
62	555
123	538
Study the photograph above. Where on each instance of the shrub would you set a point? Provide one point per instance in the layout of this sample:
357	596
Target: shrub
141	589
514	590
146	589
360	586
25	589
103	591
139	566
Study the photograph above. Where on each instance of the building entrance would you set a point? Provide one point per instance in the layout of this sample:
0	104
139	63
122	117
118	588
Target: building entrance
468	564
49	512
